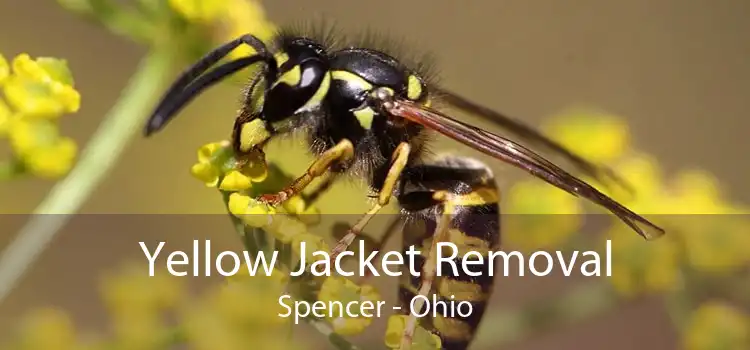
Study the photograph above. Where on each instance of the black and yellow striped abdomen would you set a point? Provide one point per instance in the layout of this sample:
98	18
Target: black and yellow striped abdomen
472	198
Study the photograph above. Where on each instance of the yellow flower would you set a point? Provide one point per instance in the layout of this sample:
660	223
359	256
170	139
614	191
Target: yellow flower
216	160
137	302
43	151
642	172
313	243
131	290
716	243
6	116
250	211
422	340
286	228
715	239
278	279
4	69
542	216
48	329
200	11
264	291
241	312
696	192
205	172
596	136
235	181
343	290
244	17
42	87
297	206
53	161
715	325
640	266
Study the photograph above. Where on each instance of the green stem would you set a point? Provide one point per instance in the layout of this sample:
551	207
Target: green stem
121	124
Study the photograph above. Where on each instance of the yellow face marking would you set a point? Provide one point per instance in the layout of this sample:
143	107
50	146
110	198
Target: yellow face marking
291	77
281	58
320	93
365	117
351	78
257	96
252	134
413	88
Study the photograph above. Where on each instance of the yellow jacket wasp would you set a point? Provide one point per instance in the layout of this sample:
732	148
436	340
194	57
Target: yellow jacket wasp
367	113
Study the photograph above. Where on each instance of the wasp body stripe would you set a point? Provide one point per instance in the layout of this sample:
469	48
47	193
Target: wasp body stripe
467	192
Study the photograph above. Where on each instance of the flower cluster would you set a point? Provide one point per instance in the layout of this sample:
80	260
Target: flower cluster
422	339
706	233
231	18
37	92
190	27
241	181
716	325
158	313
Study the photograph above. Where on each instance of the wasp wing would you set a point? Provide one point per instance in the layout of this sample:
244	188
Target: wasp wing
528	133
519	156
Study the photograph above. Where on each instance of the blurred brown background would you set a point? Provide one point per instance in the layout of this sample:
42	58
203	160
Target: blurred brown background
677	70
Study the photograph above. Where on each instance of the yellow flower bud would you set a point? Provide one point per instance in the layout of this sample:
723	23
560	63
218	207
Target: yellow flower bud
5	118
40	99
310	216
201	11
250	211
41	87
207	151
247	17
238	204
343	290
294	205
422	340
4	69
258	214
27	135
596	136
206	173
235	181
48	329
547	218
313	243
642	267
53	161
715	325
285	228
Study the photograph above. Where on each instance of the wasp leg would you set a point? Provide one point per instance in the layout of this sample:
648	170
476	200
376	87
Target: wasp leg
341	152
429	272
314	195
462	191
389	231
398	163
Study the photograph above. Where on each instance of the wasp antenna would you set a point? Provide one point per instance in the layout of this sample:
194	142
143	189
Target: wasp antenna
190	82
170	107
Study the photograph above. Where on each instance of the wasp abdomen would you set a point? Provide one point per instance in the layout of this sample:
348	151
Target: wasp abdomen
458	299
